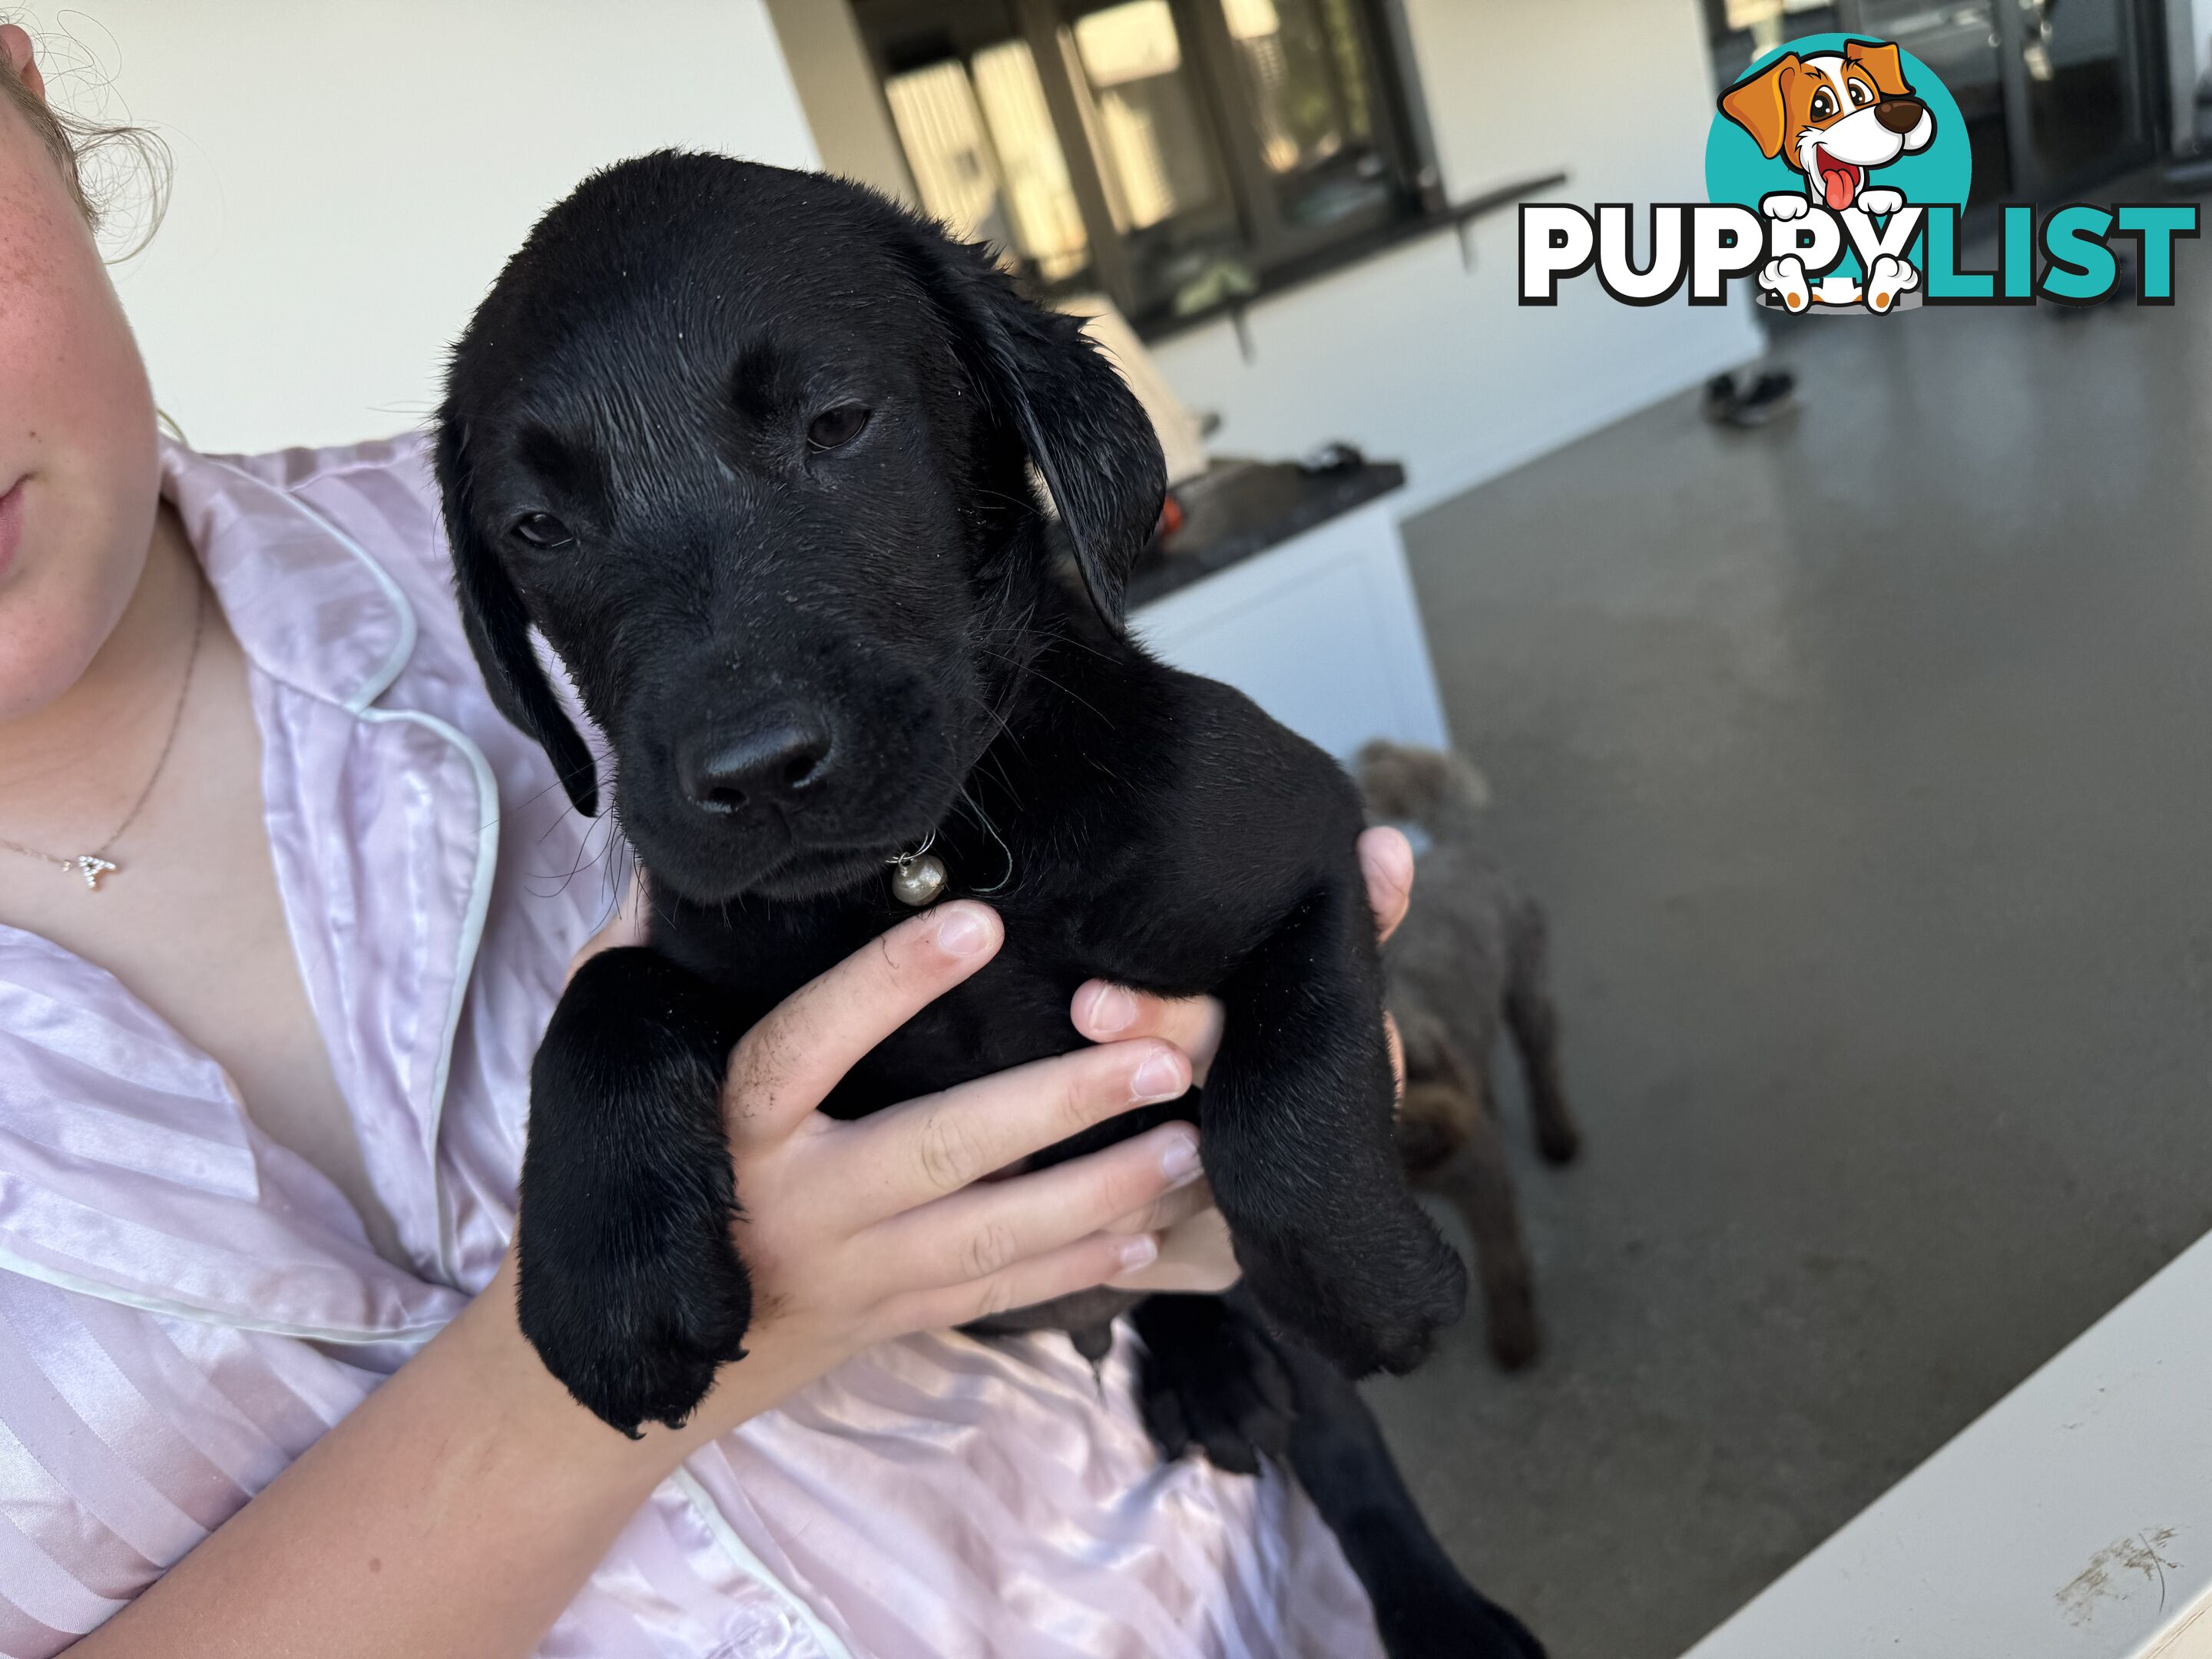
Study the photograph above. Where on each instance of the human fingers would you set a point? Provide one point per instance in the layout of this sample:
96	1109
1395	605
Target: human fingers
794	1056
1103	1012
929	1148
990	1226
1106	1012
1196	1255
1170	1209
1386	860
1079	1266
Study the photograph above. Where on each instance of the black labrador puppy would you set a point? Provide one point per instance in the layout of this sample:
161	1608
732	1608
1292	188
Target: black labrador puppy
751	448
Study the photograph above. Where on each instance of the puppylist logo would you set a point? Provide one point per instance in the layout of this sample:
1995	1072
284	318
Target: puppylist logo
1838	169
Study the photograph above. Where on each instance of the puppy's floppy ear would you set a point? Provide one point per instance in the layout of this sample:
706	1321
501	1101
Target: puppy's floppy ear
498	629
1081	425
1759	106
1882	61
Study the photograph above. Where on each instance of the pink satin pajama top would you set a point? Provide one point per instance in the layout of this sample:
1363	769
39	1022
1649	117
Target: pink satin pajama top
185	1306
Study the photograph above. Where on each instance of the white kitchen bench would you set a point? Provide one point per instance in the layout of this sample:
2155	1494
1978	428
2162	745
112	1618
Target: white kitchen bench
2072	1520
1319	627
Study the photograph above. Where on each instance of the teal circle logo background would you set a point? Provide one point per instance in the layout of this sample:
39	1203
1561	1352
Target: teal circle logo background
1944	172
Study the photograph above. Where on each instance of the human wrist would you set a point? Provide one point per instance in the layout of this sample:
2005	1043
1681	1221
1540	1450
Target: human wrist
529	1408
536	1410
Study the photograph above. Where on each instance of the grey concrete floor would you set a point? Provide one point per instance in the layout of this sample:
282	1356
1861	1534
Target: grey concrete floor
1865	764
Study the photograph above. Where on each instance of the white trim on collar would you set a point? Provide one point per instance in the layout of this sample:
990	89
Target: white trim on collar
201	486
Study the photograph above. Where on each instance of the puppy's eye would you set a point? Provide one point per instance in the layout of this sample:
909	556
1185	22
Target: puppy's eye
543	529
1824	104
1860	93
834	428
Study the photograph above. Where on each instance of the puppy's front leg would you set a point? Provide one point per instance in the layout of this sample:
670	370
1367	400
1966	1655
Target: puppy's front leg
1296	1121
631	1291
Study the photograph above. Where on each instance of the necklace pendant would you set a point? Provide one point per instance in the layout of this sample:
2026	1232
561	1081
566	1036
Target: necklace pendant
918	881
91	867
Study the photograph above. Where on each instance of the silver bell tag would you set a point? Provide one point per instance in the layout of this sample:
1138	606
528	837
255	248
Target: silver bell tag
918	880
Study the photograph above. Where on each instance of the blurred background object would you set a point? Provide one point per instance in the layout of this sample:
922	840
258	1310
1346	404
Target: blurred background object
1469	965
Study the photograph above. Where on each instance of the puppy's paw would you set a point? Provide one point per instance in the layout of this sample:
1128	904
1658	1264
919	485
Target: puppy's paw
1368	1295
631	1289
1508	1309
1453	1622
1880	202
1210	1378
1558	1140
636	1340
1784	204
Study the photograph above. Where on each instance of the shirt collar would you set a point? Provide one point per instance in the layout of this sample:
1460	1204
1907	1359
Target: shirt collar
307	603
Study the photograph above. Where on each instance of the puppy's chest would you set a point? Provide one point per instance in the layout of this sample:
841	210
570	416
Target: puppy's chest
1018	1008
1060	931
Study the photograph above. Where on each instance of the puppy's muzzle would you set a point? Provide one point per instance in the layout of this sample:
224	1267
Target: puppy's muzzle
1899	115
774	760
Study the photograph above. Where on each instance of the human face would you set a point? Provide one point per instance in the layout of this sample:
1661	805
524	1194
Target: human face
80	475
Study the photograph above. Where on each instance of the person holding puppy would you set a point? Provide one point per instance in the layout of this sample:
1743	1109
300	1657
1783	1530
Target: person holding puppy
273	960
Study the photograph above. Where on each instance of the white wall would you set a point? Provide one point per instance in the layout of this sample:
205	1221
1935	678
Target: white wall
1410	356
349	177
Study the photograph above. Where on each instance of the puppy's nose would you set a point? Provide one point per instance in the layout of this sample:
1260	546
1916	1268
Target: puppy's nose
1899	114
769	763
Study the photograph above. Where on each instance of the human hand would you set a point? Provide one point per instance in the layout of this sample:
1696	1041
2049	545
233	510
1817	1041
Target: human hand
856	1233
1193	1248
1195	1253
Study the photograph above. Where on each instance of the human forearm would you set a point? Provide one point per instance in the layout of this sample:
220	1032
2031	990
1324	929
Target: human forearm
456	1512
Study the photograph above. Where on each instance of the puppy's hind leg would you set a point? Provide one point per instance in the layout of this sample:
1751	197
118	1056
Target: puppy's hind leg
1533	1022
1210	1378
1215	1377
631	1289
1449	1135
1477	1182
1424	1607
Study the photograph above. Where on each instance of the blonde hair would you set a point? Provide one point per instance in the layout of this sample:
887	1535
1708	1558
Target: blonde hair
81	146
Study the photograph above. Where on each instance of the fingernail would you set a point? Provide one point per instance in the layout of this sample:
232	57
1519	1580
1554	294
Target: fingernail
1179	1161
961	932
1112	1010
1160	1077
1139	1251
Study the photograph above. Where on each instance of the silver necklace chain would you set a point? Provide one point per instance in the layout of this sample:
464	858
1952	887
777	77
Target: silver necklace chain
91	867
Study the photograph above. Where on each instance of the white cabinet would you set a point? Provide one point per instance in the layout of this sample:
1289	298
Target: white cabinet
1321	631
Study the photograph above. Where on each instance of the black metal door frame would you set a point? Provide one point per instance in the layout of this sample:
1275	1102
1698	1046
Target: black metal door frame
2141	40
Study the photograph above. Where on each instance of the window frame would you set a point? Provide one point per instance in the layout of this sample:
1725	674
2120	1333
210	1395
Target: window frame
1277	252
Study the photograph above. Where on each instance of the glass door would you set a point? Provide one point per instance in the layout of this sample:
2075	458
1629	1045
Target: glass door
1963	44
2052	91
2078	69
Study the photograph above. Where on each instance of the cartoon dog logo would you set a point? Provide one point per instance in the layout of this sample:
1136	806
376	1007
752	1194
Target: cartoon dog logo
1837	115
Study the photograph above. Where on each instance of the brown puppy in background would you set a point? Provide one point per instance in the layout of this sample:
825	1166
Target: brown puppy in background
1468	960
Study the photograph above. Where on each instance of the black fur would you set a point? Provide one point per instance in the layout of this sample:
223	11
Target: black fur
1217	1378
886	619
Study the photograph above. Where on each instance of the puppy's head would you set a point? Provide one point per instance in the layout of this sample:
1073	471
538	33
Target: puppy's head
1836	114
751	448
